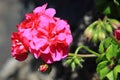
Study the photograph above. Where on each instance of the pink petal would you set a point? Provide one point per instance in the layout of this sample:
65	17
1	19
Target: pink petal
56	56
61	36
60	25
37	43
27	33
50	12
44	21
40	9
56	52
69	39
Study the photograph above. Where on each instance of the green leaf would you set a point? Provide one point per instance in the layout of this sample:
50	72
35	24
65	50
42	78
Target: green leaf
107	10
73	66
101	65
103	72
111	52
67	62
101	47
107	42
118	61
110	76
101	57
116	71
78	62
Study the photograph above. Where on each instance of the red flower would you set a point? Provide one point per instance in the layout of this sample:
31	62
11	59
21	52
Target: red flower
19	49
48	37
117	35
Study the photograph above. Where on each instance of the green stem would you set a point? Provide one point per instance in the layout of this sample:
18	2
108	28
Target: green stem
87	49
82	55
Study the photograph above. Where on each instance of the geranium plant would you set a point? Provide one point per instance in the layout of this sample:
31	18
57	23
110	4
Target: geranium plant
49	37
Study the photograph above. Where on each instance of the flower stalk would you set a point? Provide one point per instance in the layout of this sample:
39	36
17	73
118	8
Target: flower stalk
87	49
82	55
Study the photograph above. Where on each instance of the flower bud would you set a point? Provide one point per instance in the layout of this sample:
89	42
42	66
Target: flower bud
108	28
43	68
89	30
117	35
101	35
115	23
95	36
88	33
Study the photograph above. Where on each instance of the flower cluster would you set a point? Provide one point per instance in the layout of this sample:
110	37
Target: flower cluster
43	35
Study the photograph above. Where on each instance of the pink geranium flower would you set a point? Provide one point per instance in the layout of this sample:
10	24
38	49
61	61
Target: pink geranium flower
48	37
117	35
52	42
19	49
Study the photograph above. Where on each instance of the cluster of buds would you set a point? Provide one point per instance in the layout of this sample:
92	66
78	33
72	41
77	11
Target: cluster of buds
99	29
